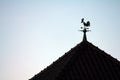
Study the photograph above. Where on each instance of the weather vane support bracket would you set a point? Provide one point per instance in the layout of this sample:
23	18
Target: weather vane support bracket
85	28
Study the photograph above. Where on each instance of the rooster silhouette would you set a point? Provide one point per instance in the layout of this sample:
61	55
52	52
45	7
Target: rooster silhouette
85	23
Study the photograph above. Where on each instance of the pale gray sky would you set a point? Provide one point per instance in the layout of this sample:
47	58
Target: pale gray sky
34	33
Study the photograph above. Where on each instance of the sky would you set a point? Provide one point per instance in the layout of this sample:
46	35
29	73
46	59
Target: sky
34	33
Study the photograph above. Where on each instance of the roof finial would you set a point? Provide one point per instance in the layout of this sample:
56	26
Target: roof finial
85	28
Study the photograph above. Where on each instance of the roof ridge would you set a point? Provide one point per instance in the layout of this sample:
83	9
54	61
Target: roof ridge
81	52
102	52
73	55
89	45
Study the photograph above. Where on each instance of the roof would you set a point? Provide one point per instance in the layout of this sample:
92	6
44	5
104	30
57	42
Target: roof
83	62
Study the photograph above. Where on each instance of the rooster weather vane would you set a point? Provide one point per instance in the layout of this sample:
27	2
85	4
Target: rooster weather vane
86	26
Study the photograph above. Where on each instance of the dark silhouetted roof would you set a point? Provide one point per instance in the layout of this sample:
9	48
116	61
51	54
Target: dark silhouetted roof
83	62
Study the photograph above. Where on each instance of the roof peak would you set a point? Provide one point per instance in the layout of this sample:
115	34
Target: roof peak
85	28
